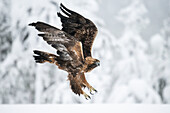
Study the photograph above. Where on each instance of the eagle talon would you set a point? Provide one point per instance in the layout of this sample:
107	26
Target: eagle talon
91	93
87	96
91	90
95	90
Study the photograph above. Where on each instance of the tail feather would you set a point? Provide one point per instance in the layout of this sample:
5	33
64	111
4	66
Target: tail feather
42	57
39	59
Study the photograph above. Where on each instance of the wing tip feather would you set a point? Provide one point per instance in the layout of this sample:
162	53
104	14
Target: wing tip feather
32	24
41	34
65	8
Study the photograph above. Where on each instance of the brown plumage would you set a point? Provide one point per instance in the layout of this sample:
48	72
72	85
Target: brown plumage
73	44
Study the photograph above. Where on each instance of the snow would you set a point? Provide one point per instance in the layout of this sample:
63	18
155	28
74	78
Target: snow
134	68
87	108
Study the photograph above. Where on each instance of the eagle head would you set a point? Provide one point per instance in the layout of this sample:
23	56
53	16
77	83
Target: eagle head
90	63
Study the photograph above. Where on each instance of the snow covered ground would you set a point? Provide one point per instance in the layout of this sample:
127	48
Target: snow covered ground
135	66
87	108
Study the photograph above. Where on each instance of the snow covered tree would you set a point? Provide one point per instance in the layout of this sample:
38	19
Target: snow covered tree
161	61
134	83
5	33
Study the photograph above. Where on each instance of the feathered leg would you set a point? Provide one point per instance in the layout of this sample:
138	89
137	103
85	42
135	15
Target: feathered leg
85	83
76	85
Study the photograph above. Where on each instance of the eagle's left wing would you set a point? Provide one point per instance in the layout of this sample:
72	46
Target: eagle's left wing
68	48
80	27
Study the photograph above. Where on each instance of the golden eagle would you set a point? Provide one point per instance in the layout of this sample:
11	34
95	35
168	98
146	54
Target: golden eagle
73	44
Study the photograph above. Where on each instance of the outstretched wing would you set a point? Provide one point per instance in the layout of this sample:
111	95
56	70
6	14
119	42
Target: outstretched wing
68	48
81	28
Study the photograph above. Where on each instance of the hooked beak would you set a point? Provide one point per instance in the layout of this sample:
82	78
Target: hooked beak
97	63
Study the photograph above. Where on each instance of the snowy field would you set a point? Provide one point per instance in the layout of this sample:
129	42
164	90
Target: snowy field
133	45
87	108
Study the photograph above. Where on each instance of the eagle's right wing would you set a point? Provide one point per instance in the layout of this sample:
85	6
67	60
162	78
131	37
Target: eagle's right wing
68	48
80	27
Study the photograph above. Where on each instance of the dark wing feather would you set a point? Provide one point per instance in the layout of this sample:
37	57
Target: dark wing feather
68	48
81	28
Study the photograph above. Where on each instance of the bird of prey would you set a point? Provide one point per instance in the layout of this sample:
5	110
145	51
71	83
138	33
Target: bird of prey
73	44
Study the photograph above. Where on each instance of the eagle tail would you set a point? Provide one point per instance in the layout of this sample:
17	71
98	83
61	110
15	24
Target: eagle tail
42	57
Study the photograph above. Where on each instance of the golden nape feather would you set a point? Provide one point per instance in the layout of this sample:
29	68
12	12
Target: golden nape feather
73	45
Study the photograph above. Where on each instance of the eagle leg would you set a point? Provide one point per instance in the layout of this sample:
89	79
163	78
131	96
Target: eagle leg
85	83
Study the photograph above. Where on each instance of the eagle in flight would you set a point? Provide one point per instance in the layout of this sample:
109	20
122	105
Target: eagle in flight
73	44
